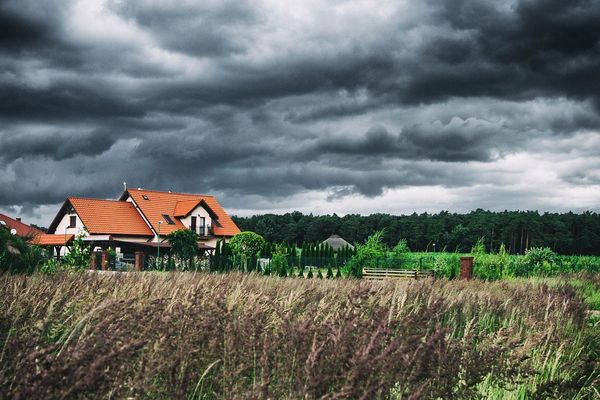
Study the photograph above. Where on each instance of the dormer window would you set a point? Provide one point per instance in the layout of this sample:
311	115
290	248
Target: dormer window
72	221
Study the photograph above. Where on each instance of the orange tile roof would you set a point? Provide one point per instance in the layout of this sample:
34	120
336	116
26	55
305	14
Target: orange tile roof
110	217
47	239
160	203
183	208
23	230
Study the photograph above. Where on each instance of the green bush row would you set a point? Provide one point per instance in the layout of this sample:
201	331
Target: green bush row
535	262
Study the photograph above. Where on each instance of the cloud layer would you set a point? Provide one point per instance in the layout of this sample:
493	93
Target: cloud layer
317	105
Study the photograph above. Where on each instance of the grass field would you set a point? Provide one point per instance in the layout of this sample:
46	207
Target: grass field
222	336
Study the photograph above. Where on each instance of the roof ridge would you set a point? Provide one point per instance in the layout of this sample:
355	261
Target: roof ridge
170	192
95	199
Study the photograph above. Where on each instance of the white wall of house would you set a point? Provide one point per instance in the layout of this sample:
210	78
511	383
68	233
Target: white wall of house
63	226
198	212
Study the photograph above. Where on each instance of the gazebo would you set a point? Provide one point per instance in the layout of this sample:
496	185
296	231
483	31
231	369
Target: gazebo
337	242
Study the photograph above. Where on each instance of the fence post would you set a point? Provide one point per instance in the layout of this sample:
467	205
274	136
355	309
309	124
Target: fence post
93	261
466	267
139	260
104	261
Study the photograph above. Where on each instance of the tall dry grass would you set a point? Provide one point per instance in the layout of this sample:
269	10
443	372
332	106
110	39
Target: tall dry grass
201	336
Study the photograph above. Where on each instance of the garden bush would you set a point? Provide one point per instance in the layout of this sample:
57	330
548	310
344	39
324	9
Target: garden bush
16	255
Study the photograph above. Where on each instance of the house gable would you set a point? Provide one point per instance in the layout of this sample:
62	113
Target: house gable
62	223
99	217
200	219
154	205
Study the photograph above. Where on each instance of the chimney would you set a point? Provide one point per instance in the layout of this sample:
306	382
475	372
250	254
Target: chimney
18	219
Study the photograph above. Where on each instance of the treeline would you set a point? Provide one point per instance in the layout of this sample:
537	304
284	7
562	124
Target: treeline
566	233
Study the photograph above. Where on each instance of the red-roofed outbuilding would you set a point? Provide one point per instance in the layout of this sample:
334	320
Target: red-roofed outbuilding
20	229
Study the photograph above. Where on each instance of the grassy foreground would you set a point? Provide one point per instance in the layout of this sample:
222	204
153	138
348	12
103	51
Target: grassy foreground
201	336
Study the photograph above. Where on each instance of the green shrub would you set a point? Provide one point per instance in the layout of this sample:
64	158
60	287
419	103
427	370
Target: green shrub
79	256
490	266
373	253
447	265
541	261
279	263
479	247
16	255
401	253
50	266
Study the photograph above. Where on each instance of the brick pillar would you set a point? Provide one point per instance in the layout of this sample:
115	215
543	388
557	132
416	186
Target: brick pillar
139	260
104	262
93	265
466	267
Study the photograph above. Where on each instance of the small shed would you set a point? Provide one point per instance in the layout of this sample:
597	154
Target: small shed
337	242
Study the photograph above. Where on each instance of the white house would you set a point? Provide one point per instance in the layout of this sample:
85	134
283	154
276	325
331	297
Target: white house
140	220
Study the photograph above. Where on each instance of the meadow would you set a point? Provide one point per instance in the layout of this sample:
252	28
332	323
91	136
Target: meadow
158	335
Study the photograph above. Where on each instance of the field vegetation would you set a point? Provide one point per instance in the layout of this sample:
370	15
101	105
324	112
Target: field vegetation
212	336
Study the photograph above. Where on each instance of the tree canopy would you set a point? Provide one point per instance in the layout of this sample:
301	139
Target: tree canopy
566	233
184	244
245	245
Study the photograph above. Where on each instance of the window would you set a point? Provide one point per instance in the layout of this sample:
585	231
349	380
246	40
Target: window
168	219
193	224
145	197
202	226
72	221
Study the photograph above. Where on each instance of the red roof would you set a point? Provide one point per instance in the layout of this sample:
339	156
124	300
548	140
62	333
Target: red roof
183	208
46	239
154	204
23	230
110	217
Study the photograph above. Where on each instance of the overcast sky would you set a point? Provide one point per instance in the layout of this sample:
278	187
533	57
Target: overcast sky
317	106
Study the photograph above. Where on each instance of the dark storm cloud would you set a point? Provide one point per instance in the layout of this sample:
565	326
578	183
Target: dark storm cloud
63	102
201	29
518	50
271	100
18	31
457	141
54	145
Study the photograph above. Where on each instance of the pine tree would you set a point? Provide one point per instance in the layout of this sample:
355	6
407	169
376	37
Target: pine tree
303	255
329	272
319	275
310	273
338	274
330	254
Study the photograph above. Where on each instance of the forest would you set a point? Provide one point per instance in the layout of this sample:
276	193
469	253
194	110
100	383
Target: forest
564	233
